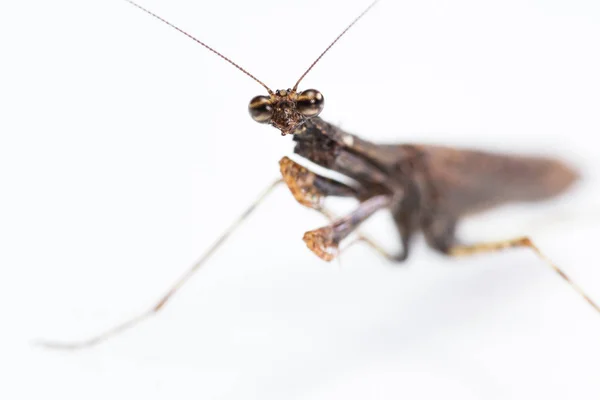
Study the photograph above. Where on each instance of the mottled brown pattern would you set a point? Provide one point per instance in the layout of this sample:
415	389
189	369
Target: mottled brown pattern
322	242
286	117
301	181
310	189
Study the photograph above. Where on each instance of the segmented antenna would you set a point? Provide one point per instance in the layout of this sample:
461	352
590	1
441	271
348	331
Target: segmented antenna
332	43
202	43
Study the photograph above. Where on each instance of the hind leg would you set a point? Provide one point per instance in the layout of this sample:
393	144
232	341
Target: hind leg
440	234
488	247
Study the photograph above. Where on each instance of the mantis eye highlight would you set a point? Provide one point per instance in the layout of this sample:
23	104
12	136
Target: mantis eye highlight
260	109
310	103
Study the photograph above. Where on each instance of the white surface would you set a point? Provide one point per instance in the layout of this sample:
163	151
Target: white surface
126	147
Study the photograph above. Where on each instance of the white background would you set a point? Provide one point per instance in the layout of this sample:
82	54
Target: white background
125	149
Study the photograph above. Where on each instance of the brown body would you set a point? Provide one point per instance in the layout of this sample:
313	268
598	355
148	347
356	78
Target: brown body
429	187
471	181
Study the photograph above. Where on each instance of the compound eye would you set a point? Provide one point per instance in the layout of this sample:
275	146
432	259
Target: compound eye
310	103
260	109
